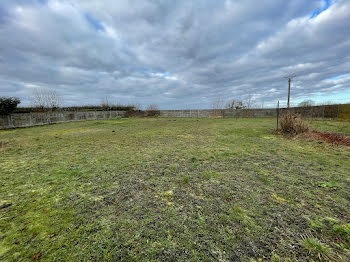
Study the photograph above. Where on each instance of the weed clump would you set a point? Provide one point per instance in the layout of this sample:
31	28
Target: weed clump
316	248
343	230
186	180
329	185
169	194
293	124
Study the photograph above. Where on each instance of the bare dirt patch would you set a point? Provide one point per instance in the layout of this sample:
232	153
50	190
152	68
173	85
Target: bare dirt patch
331	138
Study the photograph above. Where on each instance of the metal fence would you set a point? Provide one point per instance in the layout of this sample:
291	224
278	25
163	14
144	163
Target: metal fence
321	112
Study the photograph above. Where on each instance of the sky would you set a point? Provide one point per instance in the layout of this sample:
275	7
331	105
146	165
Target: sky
183	54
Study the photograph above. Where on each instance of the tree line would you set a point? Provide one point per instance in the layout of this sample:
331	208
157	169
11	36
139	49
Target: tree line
48	100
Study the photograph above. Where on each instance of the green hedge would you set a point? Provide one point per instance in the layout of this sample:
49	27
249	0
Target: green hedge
8	105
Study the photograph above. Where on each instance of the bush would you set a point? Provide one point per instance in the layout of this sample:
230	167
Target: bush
135	113
8	105
293	124
152	110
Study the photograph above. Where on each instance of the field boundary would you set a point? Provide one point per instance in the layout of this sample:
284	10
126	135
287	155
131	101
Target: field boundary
37	119
34	119
341	111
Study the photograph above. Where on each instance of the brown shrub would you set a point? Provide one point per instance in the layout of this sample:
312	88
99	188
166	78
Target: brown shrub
293	124
152	110
135	113
139	113
152	113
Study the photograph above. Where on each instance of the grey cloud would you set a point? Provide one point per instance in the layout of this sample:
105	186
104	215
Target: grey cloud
177	54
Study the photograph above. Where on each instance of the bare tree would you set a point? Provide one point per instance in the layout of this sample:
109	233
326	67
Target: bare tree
218	106
249	101
137	106
230	105
235	104
306	103
248	104
152	107
218	103
38	99
54	100
105	103
46	99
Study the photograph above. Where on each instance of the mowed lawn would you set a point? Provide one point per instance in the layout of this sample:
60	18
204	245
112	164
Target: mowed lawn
162	189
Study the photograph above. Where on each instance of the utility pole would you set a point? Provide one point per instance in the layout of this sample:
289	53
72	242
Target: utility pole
289	81
278	113
289	84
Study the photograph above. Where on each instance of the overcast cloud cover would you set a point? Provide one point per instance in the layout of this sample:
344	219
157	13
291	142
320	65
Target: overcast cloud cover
177	54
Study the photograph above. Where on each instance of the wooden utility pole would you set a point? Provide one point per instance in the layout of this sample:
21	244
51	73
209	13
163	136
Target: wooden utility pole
289	81
278	113
289	84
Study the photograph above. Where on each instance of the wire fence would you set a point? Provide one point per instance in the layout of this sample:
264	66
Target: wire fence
341	111
314	112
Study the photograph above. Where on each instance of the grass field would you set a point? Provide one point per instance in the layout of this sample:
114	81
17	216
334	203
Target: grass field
163	189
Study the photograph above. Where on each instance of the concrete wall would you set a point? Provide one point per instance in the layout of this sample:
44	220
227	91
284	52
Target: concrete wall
34	119
190	113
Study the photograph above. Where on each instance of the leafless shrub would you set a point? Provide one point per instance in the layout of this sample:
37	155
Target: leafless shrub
136	113
107	105
152	110
293	124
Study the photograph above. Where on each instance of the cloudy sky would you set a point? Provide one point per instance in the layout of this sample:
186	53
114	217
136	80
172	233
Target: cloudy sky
177	54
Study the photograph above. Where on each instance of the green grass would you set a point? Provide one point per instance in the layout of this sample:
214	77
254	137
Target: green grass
316	248
341	127
161	189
